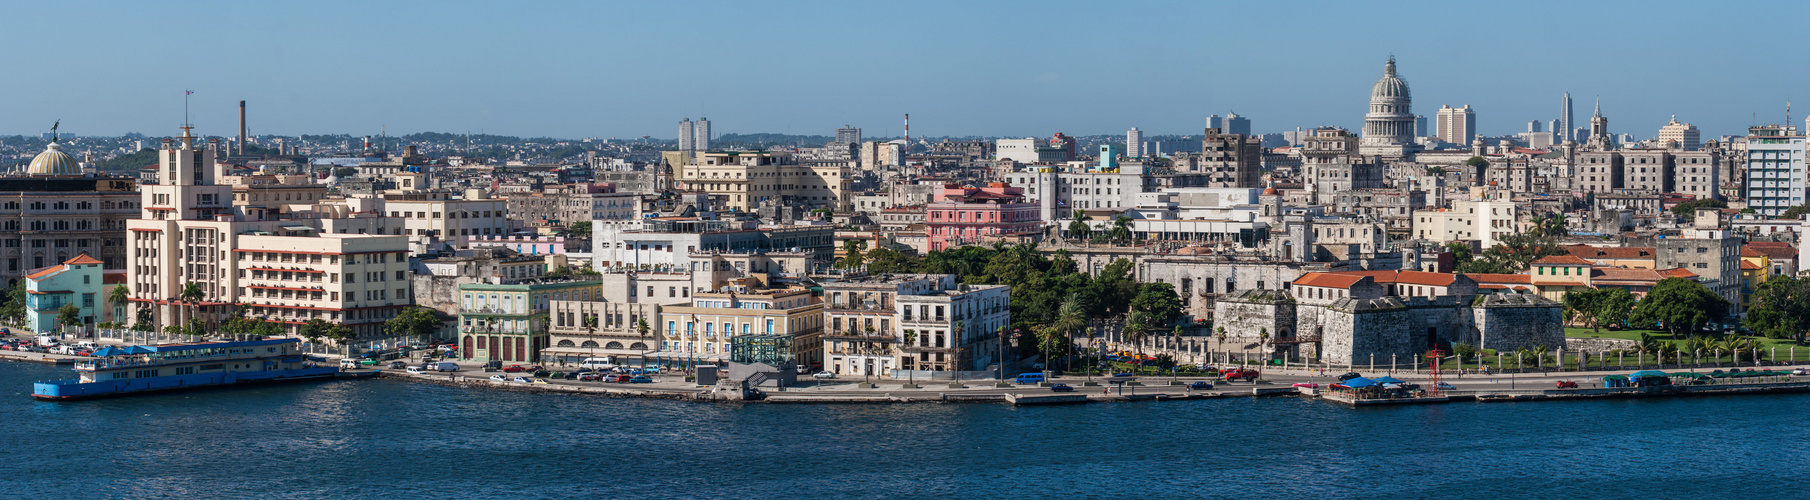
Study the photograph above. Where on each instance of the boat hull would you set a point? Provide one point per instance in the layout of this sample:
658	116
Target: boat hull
72	390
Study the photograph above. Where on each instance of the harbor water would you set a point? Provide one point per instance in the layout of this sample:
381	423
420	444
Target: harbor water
396	439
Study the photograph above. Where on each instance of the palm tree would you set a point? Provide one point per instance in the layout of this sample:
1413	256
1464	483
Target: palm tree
118	297
1220	334
1079	228
1263	338
1121	229
1070	318
191	295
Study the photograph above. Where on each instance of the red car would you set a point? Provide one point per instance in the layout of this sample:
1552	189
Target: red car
514	369
1241	374
1566	384
620	379
589	377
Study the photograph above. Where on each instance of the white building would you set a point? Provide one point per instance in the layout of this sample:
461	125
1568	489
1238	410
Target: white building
1134	141
279	270
1486	221
878	325
1775	169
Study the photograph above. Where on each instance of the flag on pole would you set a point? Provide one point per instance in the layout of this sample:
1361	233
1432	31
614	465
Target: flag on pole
189	92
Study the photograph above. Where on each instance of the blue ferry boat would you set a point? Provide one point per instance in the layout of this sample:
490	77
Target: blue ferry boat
117	371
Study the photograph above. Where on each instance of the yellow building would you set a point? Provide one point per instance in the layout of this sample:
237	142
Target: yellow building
1756	268
701	331
742	180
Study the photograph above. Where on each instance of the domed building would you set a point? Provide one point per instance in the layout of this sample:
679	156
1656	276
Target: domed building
1389	126
53	212
53	161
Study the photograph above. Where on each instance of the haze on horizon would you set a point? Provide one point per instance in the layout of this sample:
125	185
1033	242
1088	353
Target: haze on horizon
625	69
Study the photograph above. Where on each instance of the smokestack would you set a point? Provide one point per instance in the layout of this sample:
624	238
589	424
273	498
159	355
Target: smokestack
241	127
907	132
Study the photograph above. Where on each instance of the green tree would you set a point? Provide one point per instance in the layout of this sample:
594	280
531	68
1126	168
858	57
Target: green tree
413	322
1680	306
1581	305
191	295
1796	212
69	315
1780	308
345	172
1613	306
1050	341
15	301
1158	304
1476	161
557	272
1512	254
1689	208
1461	252
315	329
1548	226
579	229
118	297
1121	230
852	254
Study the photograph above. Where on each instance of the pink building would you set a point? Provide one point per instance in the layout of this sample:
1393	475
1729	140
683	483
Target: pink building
975	215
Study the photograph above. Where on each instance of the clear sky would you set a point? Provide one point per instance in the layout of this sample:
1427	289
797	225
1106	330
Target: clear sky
624	69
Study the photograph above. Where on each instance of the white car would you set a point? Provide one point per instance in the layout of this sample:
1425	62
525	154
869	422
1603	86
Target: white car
499	378
1800	371
824	375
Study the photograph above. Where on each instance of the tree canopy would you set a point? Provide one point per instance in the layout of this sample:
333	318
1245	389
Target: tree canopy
1512	254
1680	306
1780	308
1689	208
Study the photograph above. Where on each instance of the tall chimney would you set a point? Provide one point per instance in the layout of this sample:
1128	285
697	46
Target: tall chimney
241	128
908	132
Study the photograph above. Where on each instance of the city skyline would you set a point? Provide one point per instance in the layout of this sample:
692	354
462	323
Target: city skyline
538	74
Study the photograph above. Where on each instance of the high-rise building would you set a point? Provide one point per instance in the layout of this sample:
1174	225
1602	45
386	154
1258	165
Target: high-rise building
1558	130
685	136
1680	136
1214	121
1456	125
1564	123
1775	169
286	271
1389	125
1420	126
848	134
1133	140
703	134
1237	124
1533	126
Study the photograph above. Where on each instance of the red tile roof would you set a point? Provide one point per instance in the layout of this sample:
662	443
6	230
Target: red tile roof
1328	280
1562	260
46	272
1770	249
1677	272
1748	265
1408	277
83	259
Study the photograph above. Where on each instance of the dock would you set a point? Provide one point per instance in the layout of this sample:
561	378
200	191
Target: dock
1017	399
1532	395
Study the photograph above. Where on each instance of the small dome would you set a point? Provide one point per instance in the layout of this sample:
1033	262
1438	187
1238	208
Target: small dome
1389	86
53	161
1269	192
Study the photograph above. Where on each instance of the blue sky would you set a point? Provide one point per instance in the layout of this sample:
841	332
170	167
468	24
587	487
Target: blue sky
624	69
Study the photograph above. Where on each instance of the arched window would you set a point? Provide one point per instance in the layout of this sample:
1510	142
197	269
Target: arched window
613	345
568	343
590	344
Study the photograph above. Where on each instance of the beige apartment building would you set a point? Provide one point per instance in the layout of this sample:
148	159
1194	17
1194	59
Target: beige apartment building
743	180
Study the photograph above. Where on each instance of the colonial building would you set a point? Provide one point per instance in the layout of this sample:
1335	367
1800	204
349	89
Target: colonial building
55	212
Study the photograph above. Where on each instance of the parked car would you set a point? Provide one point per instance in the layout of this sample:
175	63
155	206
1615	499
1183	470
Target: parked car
396	365
1562	384
1200	385
1349	376
499	378
443	366
620	379
541	373
415	369
641	379
589	377
1059	387
522	380
575	375
1309	385
823	375
1449	387
514	369
1244	374
1800	371
493	365
541	381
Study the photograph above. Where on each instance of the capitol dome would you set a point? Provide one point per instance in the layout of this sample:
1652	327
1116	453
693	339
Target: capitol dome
1389	86
53	161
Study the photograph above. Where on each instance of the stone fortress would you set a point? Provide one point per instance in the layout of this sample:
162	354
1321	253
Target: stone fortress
1382	316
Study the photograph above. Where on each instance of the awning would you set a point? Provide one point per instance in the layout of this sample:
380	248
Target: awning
296	228
109	351
1358	382
1389	380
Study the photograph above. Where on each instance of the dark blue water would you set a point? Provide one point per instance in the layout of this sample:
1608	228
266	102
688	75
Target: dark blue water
391	439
